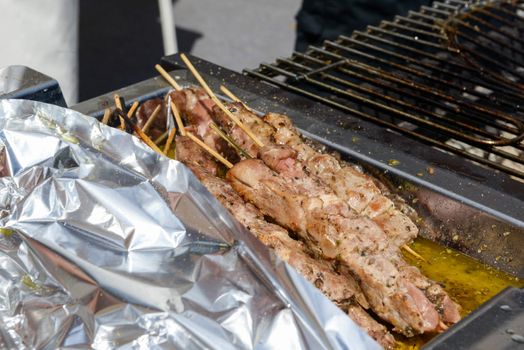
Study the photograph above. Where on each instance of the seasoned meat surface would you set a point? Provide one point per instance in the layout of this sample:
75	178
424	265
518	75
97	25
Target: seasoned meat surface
262	130
344	219
373	328
188	152
196	106
358	189
338	288
357	242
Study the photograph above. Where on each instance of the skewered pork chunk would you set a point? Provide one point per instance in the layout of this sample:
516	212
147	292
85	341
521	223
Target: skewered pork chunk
338	288
282	159
196	106
185	151
263	130
357	242
358	189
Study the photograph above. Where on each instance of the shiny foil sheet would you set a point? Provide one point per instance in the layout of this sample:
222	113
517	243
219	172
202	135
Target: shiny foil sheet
105	244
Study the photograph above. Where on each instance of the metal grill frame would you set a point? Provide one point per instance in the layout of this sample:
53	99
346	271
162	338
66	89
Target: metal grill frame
407	103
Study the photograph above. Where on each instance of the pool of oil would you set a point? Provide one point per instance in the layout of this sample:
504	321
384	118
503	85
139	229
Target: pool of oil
468	281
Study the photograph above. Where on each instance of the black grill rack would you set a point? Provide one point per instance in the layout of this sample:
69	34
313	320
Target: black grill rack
450	76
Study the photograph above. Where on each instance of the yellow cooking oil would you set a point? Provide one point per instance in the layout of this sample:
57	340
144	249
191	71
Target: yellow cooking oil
468	281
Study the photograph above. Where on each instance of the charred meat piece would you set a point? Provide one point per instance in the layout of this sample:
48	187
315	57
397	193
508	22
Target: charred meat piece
356	242
146	110
196	106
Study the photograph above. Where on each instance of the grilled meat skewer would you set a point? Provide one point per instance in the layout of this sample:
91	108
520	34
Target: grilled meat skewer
380	209
264	132
196	106
337	288
355	242
284	160
358	189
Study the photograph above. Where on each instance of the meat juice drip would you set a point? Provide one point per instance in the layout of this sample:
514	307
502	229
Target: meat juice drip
468	281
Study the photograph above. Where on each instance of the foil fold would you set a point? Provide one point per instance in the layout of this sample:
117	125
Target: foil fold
105	244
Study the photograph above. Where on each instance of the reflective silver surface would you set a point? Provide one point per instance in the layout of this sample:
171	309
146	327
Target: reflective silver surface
13	78
105	244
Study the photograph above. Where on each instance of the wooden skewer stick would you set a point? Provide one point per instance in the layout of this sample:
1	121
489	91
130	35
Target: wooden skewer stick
147	140
140	133
169	140
162	137
167	77
209	150
178	119
152	118
230	141
232	96
107	115
132	109
118	104
414	253
218	102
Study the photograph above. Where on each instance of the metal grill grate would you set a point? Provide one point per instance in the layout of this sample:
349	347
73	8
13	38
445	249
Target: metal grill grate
450	75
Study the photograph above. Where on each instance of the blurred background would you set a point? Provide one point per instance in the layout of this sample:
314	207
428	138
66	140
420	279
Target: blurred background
95	46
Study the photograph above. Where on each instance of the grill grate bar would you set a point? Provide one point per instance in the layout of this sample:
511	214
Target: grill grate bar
495	17
412	85
412	21
503	89
413	39
417	72
389	125
441	95
474	17
418	120
434	10
438	36
484	35
489	118
486	58
450	75
429	89
506	12
408	116
447	7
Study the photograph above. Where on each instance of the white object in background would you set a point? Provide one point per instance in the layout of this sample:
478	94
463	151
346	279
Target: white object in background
167	21
42	35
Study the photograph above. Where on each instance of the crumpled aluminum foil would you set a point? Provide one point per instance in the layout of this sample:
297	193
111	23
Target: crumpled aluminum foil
106	244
